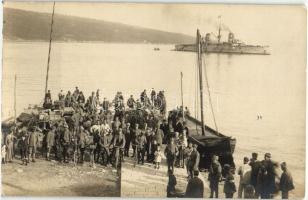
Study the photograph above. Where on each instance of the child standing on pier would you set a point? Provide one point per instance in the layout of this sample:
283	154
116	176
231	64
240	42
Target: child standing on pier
158	154
3	154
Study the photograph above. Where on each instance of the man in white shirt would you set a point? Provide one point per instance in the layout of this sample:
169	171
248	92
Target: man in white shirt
244	173
105	126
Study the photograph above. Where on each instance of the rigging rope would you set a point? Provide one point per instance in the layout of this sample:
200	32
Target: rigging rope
208	89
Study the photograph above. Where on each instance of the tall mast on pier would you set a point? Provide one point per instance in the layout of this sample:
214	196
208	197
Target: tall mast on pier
199	52
49	50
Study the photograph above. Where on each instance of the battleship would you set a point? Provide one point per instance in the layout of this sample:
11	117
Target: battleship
232	46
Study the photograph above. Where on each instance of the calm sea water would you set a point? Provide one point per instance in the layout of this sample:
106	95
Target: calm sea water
242	87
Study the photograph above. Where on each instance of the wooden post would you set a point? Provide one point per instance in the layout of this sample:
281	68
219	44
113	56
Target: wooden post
182	99
15	81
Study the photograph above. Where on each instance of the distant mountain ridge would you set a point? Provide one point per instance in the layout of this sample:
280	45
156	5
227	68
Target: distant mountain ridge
35	26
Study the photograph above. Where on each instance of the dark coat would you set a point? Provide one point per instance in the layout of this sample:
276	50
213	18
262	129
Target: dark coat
195	188
179	127
82	139
286	182
194	158
171	150
33	139
23	145
229	186
171	185
255	167
215	172
119	141
141	141
66	137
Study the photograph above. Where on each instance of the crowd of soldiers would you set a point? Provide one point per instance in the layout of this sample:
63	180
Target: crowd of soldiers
105	132
98	131
257	179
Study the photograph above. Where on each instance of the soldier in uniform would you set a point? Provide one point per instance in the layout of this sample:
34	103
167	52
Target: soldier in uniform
187	153
141	142
149	144
159	135
65	140
153	96
255	168
266	177
33	142
81	99
165	128
193	160
50	140
131	102
82	143
116	125
170	153
105	105
179	126
214	176
23	146
68	99
286	181
61	95
105	142
195	187
229	186
118	143
134	134
171	184
143	97
127	134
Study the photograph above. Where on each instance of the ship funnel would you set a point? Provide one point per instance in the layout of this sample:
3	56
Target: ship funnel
231	38
207	37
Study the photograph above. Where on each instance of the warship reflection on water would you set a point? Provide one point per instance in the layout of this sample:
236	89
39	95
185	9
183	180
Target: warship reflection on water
232	46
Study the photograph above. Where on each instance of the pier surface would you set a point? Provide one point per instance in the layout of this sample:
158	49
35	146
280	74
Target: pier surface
44	178
146	181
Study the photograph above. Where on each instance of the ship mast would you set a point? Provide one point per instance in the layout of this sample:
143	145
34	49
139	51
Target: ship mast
199	53
219	29
49	50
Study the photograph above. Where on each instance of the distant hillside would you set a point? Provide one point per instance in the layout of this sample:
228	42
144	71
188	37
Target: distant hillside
27	25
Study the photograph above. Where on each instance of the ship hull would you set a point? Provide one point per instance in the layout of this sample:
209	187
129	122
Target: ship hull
225	48
212	143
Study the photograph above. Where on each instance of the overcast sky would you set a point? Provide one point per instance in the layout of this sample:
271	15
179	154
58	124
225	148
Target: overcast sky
248	22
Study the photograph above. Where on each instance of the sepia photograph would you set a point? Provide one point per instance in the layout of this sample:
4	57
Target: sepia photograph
161	100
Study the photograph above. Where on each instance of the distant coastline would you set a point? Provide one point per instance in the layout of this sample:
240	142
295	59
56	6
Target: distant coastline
22	25
74	41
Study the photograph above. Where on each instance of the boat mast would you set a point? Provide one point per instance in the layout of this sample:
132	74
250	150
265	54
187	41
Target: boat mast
49	50
199	45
